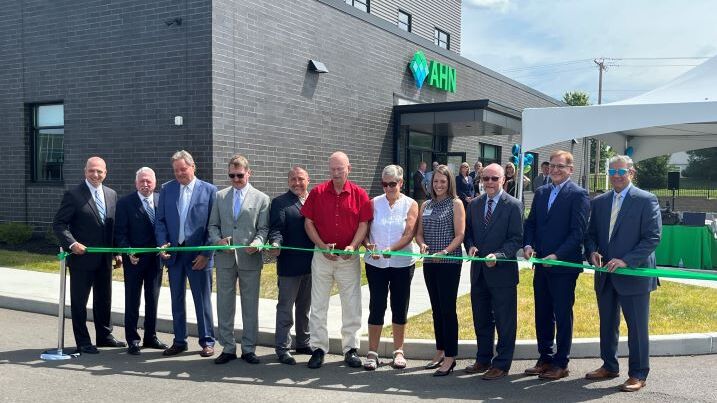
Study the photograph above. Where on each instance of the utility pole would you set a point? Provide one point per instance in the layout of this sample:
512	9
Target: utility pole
601	67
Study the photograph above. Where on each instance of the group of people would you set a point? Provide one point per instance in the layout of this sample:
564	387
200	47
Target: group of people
620	228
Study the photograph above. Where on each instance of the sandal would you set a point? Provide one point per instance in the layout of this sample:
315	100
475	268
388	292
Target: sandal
371	362
399	360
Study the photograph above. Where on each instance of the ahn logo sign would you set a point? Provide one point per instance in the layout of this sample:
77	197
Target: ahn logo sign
437	74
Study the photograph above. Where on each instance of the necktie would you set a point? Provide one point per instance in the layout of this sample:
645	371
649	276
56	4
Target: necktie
100	206
237	203
184	198
545	180
489	213
613	214
149	208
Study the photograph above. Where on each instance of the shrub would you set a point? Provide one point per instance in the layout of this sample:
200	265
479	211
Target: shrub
15	233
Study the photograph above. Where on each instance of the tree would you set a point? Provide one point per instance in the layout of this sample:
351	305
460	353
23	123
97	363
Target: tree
652	173
702	164
576	98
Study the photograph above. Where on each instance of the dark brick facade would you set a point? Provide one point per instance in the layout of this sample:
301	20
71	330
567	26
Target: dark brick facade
236	70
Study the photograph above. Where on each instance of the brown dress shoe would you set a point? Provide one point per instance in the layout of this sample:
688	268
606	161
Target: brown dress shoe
476	368
632	385
601	373
494	373
554	373
538	369
207	351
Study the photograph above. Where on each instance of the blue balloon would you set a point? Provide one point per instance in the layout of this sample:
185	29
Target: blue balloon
629	151
528	159
515	160
516	149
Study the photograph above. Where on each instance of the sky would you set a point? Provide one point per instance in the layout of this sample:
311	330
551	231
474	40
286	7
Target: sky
550	45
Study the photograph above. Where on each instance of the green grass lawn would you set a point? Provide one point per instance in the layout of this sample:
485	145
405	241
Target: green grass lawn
674	308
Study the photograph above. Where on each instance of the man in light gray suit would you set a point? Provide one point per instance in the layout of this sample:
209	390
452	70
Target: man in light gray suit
624	231
543	177
240	216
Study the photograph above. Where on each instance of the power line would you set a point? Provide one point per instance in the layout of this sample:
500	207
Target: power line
548	65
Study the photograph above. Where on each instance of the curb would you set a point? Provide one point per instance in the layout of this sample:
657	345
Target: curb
660	345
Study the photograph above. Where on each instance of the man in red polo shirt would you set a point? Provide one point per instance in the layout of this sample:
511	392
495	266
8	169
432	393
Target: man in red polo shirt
337	213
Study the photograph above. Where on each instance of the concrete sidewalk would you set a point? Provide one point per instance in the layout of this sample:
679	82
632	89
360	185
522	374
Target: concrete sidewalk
38	292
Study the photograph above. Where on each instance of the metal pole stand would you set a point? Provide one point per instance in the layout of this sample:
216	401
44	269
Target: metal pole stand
57	354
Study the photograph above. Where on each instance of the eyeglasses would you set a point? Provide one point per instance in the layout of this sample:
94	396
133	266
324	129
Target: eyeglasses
559	166
619	172
490	178
389	184
239	176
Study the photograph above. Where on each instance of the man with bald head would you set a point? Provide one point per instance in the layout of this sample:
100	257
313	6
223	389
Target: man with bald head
336	214
86	218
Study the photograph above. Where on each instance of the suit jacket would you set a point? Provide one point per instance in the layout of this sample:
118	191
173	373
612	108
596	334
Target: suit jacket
78	220
464	189
166	227
635	237
133	227
419	192
504	234
287	229
538	181
561	229
251	225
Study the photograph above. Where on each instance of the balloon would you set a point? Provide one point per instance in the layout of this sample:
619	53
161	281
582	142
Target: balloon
528	159
527	168
515	159
516	149
629	151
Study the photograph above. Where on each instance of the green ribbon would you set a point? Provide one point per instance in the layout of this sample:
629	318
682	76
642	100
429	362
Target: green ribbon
551	263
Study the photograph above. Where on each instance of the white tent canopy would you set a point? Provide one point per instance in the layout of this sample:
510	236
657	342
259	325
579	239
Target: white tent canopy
679	116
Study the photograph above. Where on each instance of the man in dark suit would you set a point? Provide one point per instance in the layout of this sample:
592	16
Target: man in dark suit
134	227
182	219
543	178
419	192
86	218
555	229
494	230
293	266
624	231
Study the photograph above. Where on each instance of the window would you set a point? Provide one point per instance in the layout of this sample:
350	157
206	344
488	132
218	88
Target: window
489	154
360	4
404	21
48	133
534	167
441	39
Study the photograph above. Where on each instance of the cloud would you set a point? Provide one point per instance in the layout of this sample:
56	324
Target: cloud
500	5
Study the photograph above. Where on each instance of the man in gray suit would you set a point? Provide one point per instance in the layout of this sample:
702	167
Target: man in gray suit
624	231
240	216
543	177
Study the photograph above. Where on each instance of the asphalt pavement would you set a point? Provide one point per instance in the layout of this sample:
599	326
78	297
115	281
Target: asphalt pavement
113	375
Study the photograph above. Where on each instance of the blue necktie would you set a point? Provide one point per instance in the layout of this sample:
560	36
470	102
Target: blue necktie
237	203
150	209
100	206
488	213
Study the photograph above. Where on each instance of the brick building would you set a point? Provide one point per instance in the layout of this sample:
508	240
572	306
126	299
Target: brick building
134	81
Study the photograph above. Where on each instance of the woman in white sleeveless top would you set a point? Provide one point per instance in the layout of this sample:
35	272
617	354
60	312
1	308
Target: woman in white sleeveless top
392	229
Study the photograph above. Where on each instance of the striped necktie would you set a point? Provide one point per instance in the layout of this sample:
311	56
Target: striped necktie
150	209
488	213
100	206
613	214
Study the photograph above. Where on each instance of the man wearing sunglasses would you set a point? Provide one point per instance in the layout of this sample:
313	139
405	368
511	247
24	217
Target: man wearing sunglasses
555	229
240	216
624	231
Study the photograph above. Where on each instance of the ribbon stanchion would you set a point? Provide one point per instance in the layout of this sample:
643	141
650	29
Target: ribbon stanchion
58	353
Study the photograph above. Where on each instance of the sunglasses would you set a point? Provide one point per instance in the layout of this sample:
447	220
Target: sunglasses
389	184
491	178
619	172
239	176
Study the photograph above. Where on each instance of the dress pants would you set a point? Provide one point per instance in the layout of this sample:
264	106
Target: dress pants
200	282
293	309
98	280
554	300
636	309
347	274
147	275
249	282
495	309
442	281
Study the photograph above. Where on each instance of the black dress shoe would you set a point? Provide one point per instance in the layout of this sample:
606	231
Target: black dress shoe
155	343
175	349
88	349
434	364
111	342
133	349
352	359
225	358
317	359
286	358
446	372
304	350
251	358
